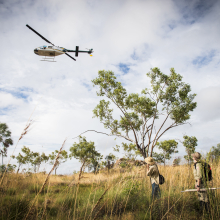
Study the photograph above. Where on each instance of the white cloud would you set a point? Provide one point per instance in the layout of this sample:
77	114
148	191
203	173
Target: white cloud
141	34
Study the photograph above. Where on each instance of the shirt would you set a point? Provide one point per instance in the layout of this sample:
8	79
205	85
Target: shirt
197	171
153	173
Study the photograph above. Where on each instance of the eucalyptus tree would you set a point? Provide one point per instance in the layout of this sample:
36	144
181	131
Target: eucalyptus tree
214	154
37	159
168	98
158	157
23	159
30	158
63	156
5	139
85	152
167	147
10	168
190	144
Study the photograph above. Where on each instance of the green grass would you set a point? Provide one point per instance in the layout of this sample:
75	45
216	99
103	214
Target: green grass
126	196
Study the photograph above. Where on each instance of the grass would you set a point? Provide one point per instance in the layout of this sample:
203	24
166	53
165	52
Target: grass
105	196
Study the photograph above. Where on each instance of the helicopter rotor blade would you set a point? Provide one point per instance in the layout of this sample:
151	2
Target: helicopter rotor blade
39	35
70	56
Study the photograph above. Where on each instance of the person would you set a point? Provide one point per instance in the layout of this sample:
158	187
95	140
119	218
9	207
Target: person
200	181
153	173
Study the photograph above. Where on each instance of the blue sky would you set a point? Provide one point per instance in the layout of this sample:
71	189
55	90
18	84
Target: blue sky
129	38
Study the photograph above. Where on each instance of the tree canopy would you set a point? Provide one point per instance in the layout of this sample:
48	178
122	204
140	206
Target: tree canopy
190	144
86	153
168	97
63	156
167	147
214	154
5	139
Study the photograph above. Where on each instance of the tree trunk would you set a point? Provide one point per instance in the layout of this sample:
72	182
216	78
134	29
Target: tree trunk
164	159
18	168
108	166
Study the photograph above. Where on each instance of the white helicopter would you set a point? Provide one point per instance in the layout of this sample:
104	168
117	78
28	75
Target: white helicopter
51	51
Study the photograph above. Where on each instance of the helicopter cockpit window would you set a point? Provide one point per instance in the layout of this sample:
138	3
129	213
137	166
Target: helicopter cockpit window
43	47
58	48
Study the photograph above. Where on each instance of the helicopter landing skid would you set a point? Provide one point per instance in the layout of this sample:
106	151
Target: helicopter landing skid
48	59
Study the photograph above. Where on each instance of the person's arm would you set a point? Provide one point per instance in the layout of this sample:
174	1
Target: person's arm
198	185
198	177
150	171
147	167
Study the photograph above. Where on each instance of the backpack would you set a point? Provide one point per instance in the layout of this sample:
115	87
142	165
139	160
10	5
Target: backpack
161	179
207	171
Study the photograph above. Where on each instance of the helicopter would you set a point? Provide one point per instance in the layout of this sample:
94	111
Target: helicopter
51	51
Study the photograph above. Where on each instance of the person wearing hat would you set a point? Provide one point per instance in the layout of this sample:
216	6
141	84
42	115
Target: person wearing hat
200	183
153	173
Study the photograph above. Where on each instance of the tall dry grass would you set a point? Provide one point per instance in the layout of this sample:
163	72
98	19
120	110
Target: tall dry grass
112	195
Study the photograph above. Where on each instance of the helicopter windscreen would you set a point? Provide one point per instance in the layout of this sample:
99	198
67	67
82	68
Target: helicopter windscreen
43	47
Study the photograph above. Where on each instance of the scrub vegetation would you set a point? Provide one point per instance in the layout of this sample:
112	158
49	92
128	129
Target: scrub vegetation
105	195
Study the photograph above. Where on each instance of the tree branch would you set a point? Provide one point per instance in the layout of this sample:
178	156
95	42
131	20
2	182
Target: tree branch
113	100
108	135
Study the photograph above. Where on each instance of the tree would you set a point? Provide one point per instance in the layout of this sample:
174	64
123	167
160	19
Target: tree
10	168
63	156
214	154
36	159
167	147
168	96
30	157
190	144
176	161
5	139
20	160
130	150
109	161
159	158
95	164
26	159
85	152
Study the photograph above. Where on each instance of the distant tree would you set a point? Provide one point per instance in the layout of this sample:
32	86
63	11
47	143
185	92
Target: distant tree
95	164
214	154
23	159
30	158
10	168
130	150
109	161
190	144
36	160
167	147
85	152
140	112
5	139
159	158
63	156
176	161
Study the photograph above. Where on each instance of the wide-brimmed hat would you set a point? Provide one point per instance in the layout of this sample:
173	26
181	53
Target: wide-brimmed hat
196	155
149	160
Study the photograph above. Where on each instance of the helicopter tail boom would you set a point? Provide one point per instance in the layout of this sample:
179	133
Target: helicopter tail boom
77	51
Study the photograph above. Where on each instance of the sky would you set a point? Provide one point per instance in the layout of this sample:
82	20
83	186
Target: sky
129	37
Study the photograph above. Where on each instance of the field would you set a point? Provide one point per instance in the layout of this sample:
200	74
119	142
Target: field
119	194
